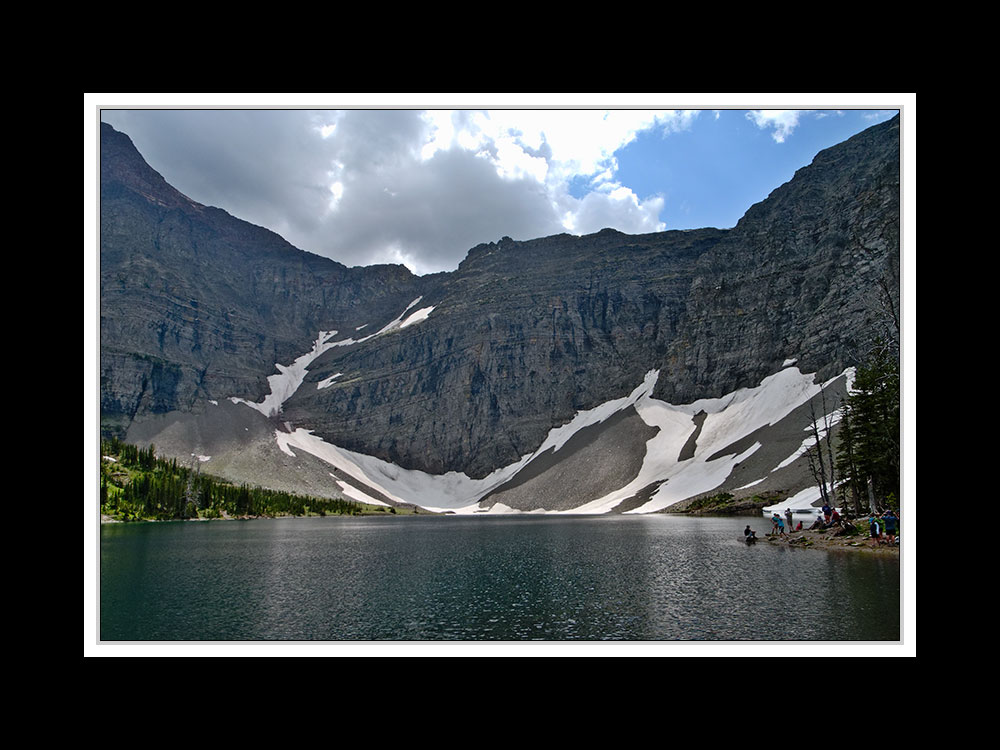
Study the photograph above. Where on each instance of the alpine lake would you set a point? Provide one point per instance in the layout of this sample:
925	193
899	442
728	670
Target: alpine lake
497	578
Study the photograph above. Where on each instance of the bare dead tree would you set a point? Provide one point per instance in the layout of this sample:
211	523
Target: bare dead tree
817	466
820	455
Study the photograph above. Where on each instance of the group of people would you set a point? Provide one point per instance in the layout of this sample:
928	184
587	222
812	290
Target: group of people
883	528
778	524
829	519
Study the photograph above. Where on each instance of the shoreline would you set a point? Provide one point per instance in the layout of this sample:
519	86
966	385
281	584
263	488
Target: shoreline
806	539
400	511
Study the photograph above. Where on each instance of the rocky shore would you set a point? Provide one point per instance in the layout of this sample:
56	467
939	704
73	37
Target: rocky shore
826	539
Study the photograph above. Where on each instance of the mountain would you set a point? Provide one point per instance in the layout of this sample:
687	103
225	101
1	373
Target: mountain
609	371
196	303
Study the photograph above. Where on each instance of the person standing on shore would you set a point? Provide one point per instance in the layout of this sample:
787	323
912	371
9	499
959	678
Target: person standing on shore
788	519
873	529
889	522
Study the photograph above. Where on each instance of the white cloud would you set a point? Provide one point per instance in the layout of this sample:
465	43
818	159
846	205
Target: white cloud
473	176
781	121
583	142
616	207
551	147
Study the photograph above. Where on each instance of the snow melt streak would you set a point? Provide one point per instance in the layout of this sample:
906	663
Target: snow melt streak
290	377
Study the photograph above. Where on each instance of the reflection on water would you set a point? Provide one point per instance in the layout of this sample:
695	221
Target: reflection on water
515	578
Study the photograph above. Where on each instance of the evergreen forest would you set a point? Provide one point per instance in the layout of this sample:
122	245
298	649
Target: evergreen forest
138	486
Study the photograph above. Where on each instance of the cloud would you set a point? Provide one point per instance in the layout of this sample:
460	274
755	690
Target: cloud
264	166
619	208
781	121
404	186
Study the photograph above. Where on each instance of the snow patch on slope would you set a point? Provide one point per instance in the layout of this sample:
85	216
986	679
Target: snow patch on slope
727	420
559	436
290	377
417	317
327	382
400	322
454	491
355	494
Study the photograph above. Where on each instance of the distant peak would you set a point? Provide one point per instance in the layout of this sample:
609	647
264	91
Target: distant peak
122	163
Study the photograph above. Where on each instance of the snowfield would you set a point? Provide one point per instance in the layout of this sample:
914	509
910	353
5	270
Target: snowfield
726	421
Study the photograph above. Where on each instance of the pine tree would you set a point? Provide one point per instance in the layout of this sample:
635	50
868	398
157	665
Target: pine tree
871	447
846	465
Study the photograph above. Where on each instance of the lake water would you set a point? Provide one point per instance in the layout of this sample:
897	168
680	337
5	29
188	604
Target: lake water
510	578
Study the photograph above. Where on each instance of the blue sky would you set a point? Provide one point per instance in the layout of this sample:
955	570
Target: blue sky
400	184
713	171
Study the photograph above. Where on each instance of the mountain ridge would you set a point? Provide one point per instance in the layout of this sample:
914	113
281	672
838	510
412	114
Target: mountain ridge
519	339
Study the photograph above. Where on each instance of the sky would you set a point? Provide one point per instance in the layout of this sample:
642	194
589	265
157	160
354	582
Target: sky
388	182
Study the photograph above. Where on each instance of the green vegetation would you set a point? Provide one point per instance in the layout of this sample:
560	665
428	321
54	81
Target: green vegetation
724	503
712	502
868	449
138	486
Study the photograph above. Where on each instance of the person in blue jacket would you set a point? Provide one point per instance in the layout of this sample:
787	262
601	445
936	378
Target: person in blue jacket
889	522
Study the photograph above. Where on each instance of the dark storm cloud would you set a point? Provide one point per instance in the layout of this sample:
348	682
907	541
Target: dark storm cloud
366	186
263	166
276	169
433	211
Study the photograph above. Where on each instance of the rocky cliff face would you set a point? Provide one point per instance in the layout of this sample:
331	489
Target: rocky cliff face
198	305
798	276
522	336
